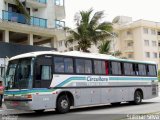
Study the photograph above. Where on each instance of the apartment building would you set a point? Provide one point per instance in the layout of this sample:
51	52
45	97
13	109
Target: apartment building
44	28
139	40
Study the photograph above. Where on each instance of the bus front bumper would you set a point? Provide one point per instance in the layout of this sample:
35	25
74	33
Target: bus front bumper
38	102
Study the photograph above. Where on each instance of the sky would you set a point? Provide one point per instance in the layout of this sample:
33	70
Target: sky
137	9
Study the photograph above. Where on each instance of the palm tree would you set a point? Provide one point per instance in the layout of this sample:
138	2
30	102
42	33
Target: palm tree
88	30
104	48
23	9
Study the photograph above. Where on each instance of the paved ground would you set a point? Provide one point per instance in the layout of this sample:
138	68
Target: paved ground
106	112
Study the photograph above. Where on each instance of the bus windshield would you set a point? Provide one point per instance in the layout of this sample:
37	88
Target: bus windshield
20	74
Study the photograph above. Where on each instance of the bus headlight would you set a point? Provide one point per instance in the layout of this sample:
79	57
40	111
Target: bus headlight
29	96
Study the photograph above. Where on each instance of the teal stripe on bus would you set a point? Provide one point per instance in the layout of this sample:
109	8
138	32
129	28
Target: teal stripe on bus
131	78
21	92
69	80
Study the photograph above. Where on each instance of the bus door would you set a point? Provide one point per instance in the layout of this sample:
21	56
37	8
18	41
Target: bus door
43	71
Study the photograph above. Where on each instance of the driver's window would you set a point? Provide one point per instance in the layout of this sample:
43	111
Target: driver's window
45	72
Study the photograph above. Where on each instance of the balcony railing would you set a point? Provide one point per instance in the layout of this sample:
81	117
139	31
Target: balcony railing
59	24
41	1
20	18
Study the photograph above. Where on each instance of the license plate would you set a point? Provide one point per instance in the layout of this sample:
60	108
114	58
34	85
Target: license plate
15	103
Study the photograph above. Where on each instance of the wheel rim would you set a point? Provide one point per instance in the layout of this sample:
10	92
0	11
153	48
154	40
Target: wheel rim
64	104
138	98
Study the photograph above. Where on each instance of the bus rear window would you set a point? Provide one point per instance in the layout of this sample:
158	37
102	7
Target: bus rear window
151	70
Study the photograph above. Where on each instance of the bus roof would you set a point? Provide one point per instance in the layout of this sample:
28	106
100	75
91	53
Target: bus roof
78	54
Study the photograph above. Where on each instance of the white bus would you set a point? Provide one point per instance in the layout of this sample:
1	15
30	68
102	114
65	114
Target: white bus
52	80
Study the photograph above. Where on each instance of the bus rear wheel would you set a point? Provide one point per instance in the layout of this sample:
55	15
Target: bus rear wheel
63	104
137	98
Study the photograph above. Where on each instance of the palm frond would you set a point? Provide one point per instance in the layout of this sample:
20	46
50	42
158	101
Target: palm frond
22	8
85	16
96	17
104	48
105	26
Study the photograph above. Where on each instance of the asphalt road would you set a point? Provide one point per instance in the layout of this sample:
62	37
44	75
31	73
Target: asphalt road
106	112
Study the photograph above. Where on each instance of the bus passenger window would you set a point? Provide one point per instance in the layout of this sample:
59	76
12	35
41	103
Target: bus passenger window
115	68
99	67
128	69
83	66
142	69
79	66
59	64
68	65
88	66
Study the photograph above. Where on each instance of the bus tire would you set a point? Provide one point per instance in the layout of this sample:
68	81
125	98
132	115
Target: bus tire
137	97
63	104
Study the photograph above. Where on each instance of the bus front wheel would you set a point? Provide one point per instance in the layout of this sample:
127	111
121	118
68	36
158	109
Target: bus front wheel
63	104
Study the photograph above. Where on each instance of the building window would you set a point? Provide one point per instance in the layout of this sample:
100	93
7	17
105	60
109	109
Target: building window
60	43
146	42
154	43
145	30
158	32
130	44
153	32
2	71
147	54
130	55
59	2
129	32
59	24
154	55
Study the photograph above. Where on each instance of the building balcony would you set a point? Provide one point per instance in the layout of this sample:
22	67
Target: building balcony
32	3
20	18
129	49
36	3
60	9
